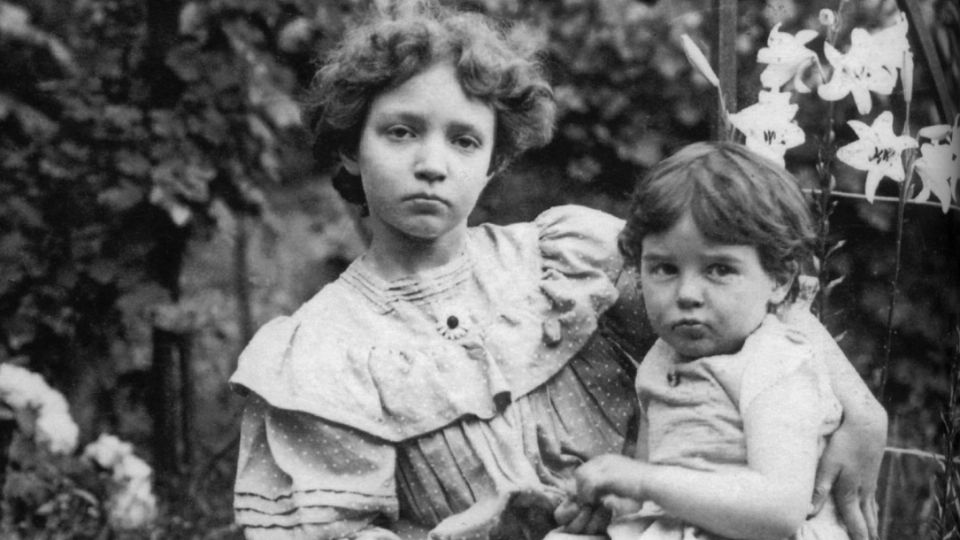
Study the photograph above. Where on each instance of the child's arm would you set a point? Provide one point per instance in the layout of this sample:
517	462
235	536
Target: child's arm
769	498
851	462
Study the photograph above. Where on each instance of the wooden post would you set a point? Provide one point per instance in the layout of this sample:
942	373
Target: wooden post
725	58
928	49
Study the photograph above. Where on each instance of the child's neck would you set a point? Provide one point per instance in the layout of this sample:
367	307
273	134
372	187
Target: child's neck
406	256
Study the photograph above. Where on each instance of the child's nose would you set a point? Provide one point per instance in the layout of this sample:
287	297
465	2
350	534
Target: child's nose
689	292
430	164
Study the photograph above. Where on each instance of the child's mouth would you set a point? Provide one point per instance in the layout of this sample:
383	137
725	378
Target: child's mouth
690	329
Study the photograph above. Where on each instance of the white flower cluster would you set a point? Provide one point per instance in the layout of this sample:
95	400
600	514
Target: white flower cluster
132	504
873	63
23	389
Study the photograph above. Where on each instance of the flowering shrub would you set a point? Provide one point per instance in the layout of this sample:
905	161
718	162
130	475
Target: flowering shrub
131	503
50	492
28	394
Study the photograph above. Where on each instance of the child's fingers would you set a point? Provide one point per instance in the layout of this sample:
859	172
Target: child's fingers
579	523
566	512
599	521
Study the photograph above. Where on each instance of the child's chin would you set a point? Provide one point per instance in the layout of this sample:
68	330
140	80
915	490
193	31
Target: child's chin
692	351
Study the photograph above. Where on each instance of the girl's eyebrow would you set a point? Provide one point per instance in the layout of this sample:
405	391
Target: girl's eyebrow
648	256
406	117
411	117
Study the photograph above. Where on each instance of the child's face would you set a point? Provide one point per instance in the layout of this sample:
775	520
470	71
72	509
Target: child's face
702	297
424	156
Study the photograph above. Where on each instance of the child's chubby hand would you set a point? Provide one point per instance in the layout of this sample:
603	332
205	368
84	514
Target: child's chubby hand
581	519
608	474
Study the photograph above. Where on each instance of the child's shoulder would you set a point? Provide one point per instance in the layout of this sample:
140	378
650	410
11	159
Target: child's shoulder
773	353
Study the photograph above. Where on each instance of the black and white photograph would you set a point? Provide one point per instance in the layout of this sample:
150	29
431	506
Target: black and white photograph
479	270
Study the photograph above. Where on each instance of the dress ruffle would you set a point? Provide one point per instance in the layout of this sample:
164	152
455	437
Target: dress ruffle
375	356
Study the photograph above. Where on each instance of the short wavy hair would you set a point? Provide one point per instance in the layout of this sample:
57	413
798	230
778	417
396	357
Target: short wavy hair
495	66
734	196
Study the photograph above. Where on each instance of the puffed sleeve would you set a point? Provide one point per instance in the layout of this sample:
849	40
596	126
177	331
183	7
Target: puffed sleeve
582	266
577	241
579	268
301	476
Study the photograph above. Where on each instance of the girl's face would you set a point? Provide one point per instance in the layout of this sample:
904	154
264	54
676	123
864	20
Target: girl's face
424	156
704	298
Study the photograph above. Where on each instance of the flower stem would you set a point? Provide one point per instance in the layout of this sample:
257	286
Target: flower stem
894	289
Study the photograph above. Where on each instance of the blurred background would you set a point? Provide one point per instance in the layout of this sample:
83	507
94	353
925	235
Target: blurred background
159	202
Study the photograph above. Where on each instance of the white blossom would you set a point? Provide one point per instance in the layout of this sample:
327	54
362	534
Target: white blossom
870	65
768	125
132	504
939	164
23	389
786	55
877	151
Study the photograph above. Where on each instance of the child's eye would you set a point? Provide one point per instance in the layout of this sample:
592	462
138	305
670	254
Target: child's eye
660	270
721	271
466	142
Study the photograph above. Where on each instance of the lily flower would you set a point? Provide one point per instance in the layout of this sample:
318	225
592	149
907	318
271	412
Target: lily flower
877	151
786	55
768	125
938	163
870	65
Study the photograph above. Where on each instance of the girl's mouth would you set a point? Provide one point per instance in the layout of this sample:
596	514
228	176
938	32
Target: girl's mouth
426	198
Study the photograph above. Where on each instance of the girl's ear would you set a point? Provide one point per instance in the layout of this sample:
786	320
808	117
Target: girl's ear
349	161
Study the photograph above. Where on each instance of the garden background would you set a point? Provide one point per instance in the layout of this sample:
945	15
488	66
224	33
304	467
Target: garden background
158	202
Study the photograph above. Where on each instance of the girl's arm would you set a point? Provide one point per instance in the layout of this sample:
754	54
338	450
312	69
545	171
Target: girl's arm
769	498
851	462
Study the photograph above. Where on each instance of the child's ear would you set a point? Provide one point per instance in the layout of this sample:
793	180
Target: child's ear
784	282
349	161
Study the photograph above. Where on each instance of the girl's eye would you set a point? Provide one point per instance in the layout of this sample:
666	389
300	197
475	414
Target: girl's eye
399	132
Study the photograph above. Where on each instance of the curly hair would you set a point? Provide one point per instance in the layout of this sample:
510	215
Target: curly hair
495	66
734	196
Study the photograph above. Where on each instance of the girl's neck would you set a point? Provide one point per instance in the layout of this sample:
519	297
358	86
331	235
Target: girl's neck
399	257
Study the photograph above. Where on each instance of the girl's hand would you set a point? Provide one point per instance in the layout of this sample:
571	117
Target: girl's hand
609	473
849	467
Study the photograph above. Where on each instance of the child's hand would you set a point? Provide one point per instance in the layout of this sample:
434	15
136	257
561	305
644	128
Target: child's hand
609	473
576	518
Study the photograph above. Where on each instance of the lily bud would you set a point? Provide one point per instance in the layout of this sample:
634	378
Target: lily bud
906	76
699	61
828	17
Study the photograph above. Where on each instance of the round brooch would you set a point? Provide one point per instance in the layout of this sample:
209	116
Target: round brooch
452	325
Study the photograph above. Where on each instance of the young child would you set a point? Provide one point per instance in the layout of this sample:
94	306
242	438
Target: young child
736	406
450	380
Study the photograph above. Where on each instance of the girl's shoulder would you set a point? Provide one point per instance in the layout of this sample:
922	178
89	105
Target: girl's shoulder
567	236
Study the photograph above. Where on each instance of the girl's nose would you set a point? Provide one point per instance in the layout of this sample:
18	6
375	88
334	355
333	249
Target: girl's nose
430	164
689	292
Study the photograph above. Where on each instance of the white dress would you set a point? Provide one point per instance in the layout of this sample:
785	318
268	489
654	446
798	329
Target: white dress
694	410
